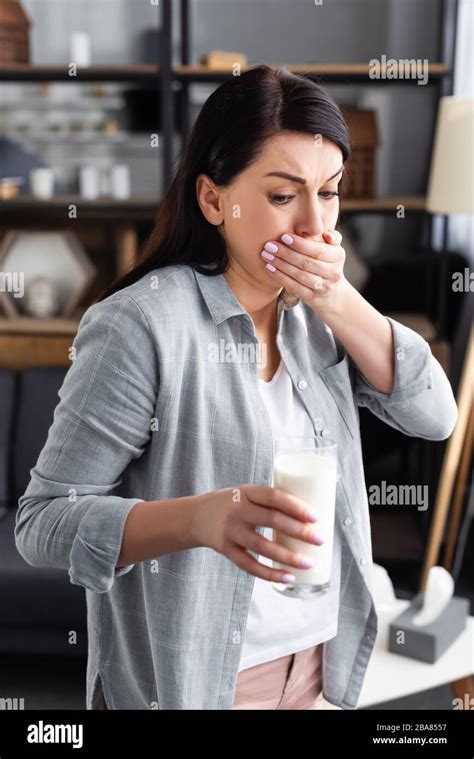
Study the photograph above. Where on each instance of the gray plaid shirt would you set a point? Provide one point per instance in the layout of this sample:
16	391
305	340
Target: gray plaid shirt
161	401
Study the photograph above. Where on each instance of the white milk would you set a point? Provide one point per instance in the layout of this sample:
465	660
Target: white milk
311	477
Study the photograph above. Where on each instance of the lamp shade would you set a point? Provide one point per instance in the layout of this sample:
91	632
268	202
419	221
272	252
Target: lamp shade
451	182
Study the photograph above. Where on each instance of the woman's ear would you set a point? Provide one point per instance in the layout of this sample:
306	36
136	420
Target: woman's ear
209	200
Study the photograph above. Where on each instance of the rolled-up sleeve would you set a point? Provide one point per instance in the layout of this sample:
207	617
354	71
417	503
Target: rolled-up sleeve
69	516
421	403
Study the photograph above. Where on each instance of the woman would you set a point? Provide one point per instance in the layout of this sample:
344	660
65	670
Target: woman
154	486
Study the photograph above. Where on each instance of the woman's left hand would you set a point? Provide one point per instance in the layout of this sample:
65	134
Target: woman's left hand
312	271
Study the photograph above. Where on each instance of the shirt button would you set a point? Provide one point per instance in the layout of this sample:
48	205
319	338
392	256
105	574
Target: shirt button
347	521
302	384
363	561
325	433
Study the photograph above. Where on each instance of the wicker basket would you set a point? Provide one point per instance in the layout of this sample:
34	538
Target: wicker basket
14	33
359	174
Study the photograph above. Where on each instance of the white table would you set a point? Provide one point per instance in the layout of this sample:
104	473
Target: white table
390	676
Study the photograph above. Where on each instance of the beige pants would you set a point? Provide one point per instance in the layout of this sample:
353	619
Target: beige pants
290	682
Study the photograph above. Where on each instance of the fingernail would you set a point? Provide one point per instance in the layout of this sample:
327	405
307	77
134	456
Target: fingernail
271	247
317	539
267	256
306	563
288	578
287	239
270	267
312	516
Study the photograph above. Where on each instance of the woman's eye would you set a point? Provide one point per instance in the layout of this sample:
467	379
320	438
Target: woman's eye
281	200
328	195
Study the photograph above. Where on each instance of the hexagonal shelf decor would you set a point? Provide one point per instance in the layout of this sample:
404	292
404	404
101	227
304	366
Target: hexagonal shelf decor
44	273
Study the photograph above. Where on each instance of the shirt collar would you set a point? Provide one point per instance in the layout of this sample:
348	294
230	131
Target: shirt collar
222	302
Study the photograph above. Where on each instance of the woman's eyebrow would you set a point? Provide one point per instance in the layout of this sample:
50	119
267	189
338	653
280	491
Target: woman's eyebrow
294	178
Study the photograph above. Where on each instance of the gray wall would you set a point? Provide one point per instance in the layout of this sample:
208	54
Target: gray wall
114	26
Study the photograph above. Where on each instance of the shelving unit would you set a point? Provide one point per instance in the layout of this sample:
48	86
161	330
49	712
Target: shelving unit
26	341
23	72
138	207
170	82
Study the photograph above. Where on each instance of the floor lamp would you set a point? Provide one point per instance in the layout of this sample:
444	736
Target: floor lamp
451	183
451	190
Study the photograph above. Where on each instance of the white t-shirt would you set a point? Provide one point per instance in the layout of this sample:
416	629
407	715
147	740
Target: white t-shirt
278	625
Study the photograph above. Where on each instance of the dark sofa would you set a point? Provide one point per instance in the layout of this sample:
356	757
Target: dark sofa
40	608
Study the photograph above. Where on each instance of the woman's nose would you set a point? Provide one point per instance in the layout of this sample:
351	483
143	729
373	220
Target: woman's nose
311	224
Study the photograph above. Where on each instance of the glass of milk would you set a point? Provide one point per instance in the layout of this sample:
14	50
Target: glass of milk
306	466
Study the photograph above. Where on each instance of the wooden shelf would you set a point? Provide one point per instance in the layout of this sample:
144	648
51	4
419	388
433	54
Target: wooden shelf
150	73
26	342
333	72
19	352
138	207
22	72
419	323
350	69
385	204
29	325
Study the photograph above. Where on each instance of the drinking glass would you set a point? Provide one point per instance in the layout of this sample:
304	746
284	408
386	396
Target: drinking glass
306	466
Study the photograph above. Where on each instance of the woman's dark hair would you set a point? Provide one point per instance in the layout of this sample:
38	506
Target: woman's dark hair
228	134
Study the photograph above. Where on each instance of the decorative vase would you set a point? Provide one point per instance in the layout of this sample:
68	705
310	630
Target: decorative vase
14	33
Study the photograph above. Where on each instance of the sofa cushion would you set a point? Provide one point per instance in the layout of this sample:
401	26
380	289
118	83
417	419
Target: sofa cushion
37	398
36	597
7	407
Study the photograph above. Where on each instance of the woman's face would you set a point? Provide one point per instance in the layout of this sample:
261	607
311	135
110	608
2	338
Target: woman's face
258	207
